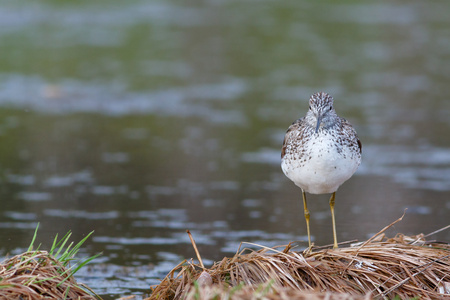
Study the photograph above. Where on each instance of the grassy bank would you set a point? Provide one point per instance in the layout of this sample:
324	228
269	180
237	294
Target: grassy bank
403	267
37	274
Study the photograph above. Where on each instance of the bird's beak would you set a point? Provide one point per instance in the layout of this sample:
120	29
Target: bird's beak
319	120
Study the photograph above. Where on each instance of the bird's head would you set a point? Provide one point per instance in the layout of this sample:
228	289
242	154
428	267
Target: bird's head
321	113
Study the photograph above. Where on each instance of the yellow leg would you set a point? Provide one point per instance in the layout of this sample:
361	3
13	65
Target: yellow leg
306	217
332	219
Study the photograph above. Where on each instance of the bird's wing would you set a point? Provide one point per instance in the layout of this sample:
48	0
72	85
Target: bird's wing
351	134
292	132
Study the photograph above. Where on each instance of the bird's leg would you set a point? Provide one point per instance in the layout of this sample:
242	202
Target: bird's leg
332	219
305	206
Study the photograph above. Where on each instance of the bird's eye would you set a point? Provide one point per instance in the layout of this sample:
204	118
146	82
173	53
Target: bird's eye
331	107
310	107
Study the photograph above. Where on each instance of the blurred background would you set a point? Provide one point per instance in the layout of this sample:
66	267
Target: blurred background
141	119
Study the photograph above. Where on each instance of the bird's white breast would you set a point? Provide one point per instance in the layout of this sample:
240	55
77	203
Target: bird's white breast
320	165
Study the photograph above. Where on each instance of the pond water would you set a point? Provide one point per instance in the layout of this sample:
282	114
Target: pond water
141	119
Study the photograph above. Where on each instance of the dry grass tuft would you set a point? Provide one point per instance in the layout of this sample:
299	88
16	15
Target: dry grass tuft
38	275
402	267
45	275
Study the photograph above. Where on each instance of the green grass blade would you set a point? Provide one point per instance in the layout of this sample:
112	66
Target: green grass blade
53	245
77	247
70	252
65	256
64	238
30	248
80	265
85	262
63	241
